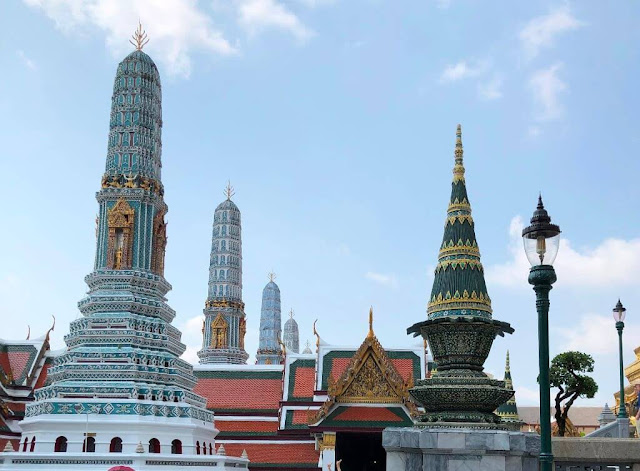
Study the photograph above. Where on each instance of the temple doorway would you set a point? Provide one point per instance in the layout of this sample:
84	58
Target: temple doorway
360	451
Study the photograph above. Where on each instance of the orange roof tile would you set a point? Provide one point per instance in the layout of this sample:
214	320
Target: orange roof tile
257	426
304	382
272	454
240	390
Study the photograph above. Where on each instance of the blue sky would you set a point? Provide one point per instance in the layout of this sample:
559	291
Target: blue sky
335	122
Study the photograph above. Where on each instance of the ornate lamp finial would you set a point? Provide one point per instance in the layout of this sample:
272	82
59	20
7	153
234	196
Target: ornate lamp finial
370	334
272	276
229	191
139	39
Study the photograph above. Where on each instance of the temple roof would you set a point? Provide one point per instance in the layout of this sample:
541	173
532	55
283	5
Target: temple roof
276	455
252	389
377	417
227	205
459	287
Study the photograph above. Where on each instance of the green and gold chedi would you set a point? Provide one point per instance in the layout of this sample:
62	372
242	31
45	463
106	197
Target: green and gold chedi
459	325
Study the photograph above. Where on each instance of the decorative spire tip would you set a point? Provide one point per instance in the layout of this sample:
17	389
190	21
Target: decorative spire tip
291	314
370	322
139	38
229	191
272	276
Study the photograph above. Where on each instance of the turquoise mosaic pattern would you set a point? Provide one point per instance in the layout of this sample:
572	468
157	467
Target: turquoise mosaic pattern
135	125
124	346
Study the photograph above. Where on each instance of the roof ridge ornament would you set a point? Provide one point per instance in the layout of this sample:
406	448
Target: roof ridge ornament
139	38
229	191
370	334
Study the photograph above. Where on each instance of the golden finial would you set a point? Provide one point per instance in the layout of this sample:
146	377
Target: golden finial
370	334
291	313
458	168
229	191
508	366
139	38
272	276
284	347
315	332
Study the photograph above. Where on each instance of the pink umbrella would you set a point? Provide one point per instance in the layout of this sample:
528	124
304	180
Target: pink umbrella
121	468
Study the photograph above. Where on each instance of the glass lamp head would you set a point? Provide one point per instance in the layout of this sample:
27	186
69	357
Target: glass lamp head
619	312
541	238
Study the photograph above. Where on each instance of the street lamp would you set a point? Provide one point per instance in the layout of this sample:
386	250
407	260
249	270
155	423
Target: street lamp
618	315
541	243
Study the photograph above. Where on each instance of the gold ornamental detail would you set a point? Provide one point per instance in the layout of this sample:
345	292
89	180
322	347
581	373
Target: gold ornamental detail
133	181
220	303
219	332
328	441
459	263
369	378
460	218
460	248
120	221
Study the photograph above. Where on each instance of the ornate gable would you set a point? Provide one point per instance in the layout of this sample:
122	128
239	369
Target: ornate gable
370	378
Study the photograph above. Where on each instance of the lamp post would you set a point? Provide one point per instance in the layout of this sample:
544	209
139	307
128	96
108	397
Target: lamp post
618	315
541	242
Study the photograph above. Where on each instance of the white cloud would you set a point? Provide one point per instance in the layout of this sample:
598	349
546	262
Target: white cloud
28	63
491	90
381	278
257	16
541	31
546	87
176	28
461	70
595	334
316	3
612	263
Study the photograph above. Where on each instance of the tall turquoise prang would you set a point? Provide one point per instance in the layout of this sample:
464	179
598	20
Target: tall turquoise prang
224	318
459	328
269	351
121	375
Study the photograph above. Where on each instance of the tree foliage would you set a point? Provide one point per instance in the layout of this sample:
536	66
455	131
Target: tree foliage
567	374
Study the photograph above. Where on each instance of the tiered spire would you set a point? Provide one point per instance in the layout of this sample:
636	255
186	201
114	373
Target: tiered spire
224	325
123	354
459	288
269	351
291	334
508	411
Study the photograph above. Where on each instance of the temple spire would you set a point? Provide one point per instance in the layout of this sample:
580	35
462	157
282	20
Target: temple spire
229	191
508	411
459	287
269	352
458	169
225	323
292	334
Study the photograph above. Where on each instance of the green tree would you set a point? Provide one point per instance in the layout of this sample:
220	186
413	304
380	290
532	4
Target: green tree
567	374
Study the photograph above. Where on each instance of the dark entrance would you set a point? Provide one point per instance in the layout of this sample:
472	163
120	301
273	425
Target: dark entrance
361	451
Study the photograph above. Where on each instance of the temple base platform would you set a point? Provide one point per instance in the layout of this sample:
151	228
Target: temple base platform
460	449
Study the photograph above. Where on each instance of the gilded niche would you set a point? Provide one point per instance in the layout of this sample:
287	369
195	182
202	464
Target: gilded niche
120	221
243	331
159	244
219	332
